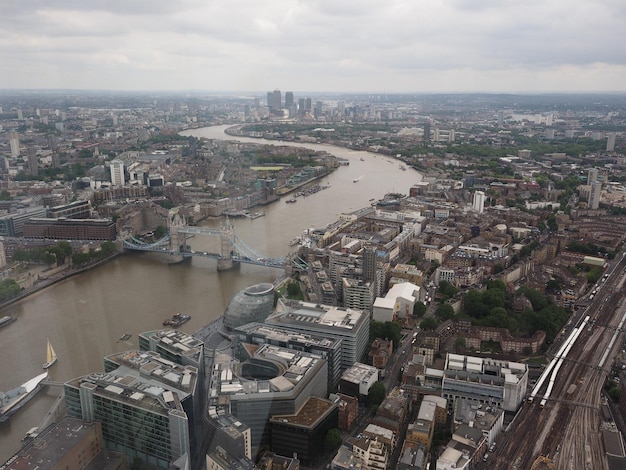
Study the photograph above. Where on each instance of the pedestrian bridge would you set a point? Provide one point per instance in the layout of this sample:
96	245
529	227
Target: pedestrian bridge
233	250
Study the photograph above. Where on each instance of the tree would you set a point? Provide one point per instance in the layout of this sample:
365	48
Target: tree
108	248
332	440
444	312
8	289
160	232
376	394
294	290
473	304
65	248
553	285
388	329
447	290
429	323
58	253
419	309
80	258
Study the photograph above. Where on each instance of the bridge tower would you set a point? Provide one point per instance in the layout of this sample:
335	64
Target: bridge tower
177	239
227	235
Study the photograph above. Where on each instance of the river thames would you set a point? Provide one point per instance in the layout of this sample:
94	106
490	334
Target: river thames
85	316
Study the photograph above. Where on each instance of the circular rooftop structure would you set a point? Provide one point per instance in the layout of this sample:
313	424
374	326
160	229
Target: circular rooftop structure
252	304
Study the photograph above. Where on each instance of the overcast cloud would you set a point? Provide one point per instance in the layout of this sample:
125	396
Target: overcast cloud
314	45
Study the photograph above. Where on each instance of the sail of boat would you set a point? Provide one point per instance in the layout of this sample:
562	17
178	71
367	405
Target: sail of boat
51	356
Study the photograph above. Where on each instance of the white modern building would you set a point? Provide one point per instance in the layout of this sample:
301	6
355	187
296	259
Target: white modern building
397	303
478	203
117	172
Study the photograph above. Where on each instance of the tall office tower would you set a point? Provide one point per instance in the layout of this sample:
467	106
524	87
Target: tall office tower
451	136
592	176
33	161
301	104
341	108
478	204
117	172
14	143
610	142
369	264
308	104
427	131
317	111
274	99
500	118
288	99
20	114
549	119
595	195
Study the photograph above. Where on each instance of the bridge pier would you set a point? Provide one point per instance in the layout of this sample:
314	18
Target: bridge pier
226	264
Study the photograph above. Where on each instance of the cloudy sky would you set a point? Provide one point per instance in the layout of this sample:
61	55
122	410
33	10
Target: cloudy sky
314	45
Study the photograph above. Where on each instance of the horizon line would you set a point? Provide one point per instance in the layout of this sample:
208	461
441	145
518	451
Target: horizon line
235	92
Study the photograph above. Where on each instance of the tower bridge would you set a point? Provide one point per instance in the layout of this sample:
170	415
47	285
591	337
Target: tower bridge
233	250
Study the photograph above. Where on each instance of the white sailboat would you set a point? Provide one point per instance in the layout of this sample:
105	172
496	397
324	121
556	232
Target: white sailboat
51	356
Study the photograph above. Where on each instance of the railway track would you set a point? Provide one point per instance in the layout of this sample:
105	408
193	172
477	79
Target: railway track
566	429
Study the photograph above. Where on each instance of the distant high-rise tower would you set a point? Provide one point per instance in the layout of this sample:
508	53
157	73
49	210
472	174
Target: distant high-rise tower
369	264
610	142
427	132
14	143
592	176
317	111
274	99
33	161
288	99
20	114
595	195
117	172
478	204
500	118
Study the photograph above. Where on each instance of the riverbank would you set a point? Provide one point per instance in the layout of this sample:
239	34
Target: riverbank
55	278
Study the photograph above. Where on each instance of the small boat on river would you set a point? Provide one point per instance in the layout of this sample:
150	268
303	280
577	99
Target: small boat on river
176	320
51	356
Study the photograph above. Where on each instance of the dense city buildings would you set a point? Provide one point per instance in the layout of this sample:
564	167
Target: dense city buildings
419	314
145	405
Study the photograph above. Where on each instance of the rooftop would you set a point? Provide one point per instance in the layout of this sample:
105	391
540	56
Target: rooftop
49	447
359	372
311	412
328	317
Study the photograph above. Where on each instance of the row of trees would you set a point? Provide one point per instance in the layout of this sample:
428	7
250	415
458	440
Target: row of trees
105	250
59	254
494	307
47	255
389	330
9	289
